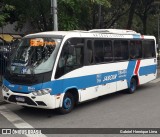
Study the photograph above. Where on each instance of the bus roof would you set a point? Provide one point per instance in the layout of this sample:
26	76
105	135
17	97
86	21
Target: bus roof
103	33
51	33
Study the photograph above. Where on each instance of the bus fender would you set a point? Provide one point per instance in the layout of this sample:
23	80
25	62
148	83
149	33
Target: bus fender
133	76
67	89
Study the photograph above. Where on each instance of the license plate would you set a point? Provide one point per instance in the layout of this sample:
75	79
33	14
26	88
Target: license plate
20	99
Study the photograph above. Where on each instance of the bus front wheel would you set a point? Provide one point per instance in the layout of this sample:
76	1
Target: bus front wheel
68	104
133	86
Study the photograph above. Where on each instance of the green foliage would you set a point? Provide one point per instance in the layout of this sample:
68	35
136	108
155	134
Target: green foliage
79	14
4	13
101	2
82	14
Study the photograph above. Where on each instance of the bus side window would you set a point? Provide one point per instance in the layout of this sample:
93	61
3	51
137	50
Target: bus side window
108	51
89	52
71	58
98	51
149	49
135	49
120	50
103	51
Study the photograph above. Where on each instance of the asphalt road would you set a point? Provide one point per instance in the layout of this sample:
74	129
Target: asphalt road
118	110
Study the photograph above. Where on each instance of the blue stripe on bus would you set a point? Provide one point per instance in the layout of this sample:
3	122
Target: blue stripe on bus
135	36
21	88
147	70
60	86
130	70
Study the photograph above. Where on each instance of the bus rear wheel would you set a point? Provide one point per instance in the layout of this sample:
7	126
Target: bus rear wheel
133	86
68	104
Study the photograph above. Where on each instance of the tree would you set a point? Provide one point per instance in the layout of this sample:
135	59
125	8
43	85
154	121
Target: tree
143	11
36	12
112	14
79	14
5	9
131	13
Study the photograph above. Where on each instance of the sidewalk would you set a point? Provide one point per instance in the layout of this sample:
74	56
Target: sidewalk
2	101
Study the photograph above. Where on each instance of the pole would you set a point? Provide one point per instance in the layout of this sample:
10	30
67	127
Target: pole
55	19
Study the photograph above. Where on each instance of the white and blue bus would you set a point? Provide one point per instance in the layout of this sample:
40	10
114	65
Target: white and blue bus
61	69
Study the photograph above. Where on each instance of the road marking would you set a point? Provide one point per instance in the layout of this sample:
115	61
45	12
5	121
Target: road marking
156	80
17	121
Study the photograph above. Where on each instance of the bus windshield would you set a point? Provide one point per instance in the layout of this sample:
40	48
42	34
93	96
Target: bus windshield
35	55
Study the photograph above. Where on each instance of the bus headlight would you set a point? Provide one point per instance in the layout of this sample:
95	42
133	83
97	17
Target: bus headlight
4	88
42	92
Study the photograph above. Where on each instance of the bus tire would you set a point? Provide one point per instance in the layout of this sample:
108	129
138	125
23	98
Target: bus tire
133	86
68	104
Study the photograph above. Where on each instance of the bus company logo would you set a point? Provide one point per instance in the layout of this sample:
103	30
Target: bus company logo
31	89
110	77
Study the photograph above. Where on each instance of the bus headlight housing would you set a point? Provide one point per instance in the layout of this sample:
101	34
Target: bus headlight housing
4	88
42	92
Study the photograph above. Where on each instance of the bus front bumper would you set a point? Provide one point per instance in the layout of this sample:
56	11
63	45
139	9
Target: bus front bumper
44	101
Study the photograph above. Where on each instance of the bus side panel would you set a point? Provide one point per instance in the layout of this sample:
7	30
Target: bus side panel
107	88
123	71
90	82
147	70
122	84
97	80
88	93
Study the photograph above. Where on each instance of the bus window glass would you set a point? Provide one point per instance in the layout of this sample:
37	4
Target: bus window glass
108	51
120	50
135	49
103	51
89	54
98	51
149	49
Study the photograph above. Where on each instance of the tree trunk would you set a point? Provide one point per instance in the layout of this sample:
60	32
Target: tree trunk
131	13
144	21
94	16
